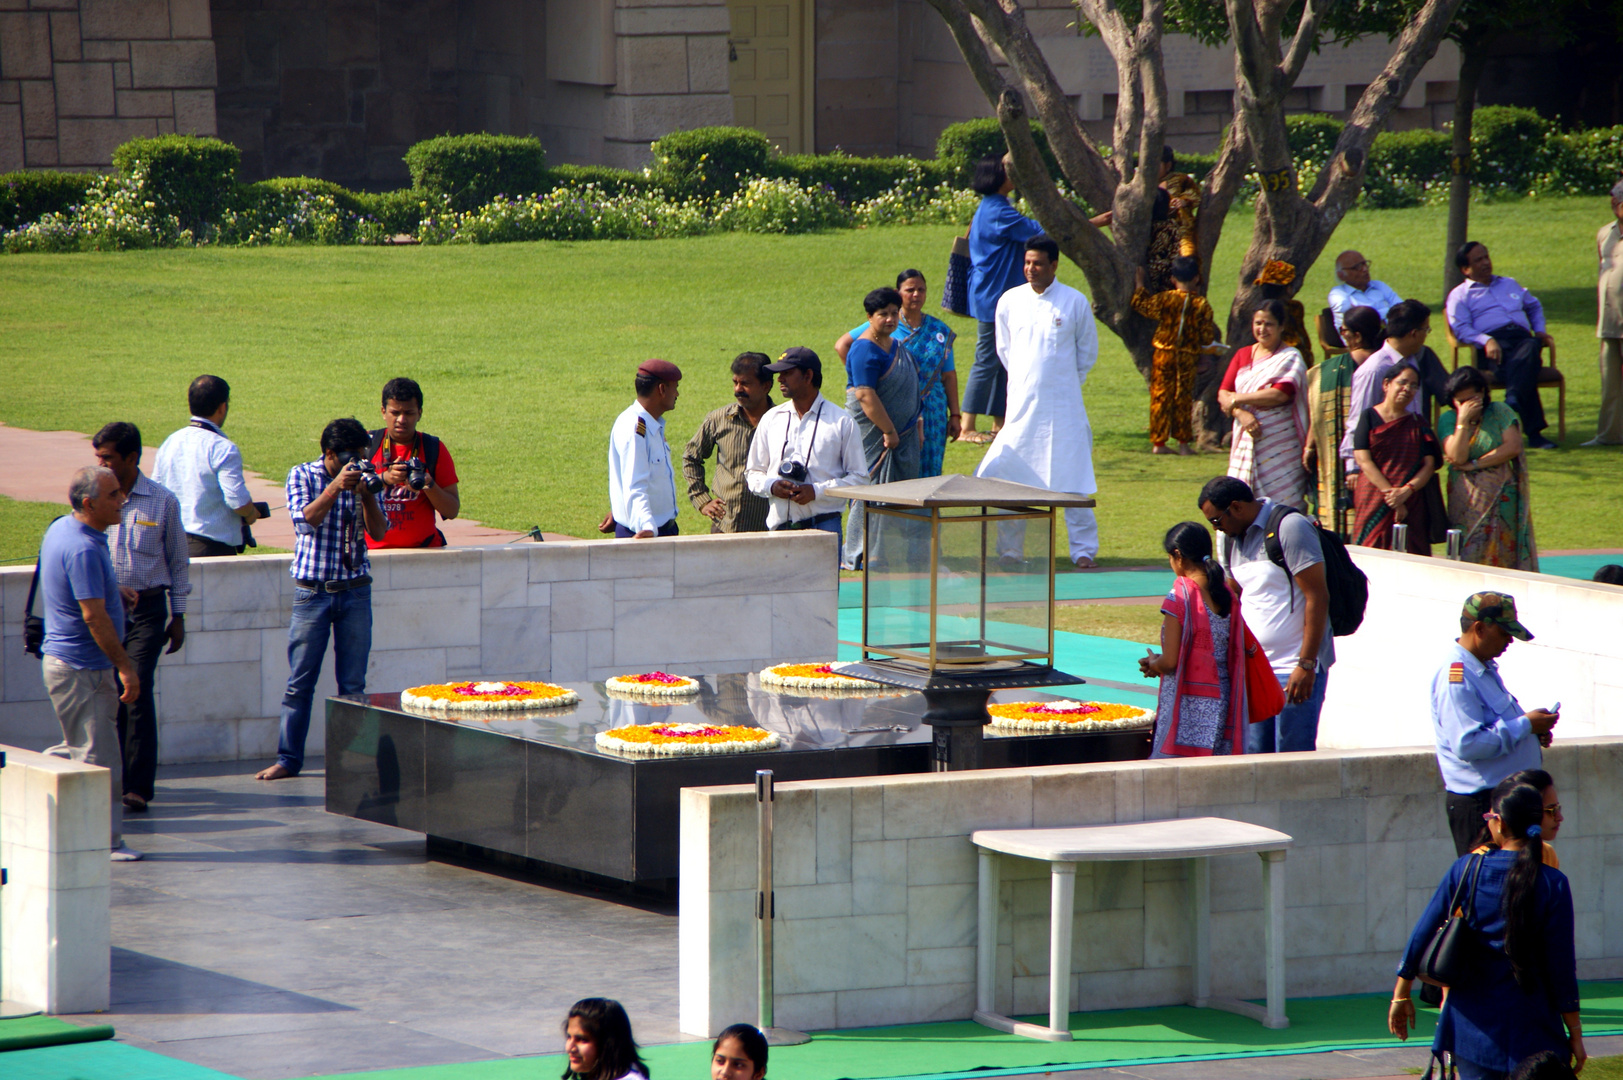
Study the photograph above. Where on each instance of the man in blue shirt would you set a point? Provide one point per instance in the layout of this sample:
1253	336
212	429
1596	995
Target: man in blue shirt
331	502
1355	288
84	634
1505	323
1482	733
204	470
997	257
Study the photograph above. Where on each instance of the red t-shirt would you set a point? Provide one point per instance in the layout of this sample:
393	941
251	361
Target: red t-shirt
408	514
1242	359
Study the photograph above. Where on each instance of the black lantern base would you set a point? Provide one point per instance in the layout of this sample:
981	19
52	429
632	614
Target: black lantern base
955	704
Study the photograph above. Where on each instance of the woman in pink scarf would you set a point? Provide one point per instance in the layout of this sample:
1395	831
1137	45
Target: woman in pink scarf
1201	709
1265	391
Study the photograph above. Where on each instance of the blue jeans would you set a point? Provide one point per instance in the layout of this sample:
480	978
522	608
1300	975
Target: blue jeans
1295	728
347	616
987	388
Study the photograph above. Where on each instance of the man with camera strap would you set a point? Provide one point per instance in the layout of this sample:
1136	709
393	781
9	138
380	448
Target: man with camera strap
332	501
417	470
803	447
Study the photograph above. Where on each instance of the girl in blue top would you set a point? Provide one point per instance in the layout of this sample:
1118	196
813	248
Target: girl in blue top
929	341
1525	986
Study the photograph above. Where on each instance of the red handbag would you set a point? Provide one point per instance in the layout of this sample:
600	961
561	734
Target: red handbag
1264	699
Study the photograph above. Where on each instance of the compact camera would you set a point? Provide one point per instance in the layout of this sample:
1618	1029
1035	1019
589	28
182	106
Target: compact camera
357	460
792	471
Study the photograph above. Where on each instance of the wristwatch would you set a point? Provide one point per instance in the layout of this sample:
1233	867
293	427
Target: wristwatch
1311	665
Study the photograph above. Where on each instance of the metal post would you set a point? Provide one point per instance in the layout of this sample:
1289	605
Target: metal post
764	911
1456	543
1400	537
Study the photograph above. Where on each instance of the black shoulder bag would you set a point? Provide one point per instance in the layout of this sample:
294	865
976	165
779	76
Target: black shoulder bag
34	625
1450	957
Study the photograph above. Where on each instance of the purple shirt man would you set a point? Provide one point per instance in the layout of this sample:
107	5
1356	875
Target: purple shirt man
1475	309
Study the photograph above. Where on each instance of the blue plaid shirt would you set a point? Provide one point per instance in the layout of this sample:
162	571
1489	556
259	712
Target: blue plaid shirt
333	550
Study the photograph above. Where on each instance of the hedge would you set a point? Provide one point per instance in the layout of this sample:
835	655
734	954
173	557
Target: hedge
29	196
961	145
471	170
710	160
191	178
853	179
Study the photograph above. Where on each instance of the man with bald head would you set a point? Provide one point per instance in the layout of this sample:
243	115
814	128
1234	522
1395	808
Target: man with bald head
1355	288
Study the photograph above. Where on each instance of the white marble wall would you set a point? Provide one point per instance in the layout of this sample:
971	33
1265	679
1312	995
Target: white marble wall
566	612
55	932
876	894
1380	686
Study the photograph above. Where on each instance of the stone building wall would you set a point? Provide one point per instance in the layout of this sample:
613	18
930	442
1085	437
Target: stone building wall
79	77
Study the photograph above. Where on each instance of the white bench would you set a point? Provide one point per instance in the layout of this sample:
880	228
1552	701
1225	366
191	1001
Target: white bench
1194	839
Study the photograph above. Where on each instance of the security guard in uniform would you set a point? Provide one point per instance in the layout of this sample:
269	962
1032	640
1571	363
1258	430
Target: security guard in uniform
642	480
1483	735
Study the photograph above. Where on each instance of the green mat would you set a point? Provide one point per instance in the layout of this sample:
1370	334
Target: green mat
28	1032
962	1049
1083	655
106	1060
1094	585
1582	567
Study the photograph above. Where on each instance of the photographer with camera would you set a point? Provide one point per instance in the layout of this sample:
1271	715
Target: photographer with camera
803	446
204	470
417	470
332	501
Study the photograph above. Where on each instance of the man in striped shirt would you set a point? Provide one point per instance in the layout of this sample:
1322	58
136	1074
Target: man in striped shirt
331	505
729	503
150	555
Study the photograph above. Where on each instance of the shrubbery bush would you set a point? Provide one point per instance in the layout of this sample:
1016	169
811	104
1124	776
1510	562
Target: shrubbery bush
29	196
471	170
710	160
1406	167
187	176
603	178
1586	162
852	179
961	145
1510	148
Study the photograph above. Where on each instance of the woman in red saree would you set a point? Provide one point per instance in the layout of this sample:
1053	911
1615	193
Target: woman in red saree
1201	708
1397	456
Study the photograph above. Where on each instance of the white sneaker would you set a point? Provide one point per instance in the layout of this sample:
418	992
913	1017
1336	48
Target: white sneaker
1596	442
125	854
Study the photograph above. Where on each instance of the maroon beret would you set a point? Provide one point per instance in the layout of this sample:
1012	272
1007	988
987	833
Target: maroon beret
663	370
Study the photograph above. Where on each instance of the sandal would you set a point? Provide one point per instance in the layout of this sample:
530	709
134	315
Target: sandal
979	438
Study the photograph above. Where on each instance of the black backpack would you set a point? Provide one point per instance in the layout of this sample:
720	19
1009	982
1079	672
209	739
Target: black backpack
431	447
1347	585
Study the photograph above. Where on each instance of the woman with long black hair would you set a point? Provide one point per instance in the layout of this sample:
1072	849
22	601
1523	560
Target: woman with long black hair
598	1043
1522	996
1201	707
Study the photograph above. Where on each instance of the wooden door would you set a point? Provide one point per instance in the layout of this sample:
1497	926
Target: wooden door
769	72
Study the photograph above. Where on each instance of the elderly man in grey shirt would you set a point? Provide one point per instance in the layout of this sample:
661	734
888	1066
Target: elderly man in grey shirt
1609	328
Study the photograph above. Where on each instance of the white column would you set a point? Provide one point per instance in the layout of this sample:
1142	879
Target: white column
1200	944
986	935
1062	901
1273	884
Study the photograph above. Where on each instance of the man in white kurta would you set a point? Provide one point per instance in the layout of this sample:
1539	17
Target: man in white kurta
1047	343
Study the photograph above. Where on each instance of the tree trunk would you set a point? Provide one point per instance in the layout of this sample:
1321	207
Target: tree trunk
1473	58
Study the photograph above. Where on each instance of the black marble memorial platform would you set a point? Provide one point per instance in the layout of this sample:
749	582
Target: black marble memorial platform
534	785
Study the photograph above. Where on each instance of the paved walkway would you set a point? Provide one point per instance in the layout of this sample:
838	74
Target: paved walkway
267	938
41	464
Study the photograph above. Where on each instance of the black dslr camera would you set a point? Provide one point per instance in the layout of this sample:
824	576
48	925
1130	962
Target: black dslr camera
416	474
357	460
792	471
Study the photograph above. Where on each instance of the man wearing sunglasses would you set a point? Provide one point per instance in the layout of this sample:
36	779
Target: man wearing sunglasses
1355	288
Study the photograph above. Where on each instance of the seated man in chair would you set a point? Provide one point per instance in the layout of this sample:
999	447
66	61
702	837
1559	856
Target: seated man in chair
1505	324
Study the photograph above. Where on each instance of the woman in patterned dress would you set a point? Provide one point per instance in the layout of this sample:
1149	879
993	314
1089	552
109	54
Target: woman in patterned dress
929	341
1201	708
1265	392
1488	494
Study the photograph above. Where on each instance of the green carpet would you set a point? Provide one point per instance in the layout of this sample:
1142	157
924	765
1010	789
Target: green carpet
963	1049
1094	585
27	1032
106	1060
1581	567
1083	655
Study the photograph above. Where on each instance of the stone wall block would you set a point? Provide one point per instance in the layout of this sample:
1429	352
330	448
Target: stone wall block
25	45
194	113
653	65
960	806
707	64
118	19
833	836
39	109
515	639
1206	781
177	64
639	119
87	90
157	103
1079	797
504	577
190	19
560	562
11	93
91	142
873	954
803	624
42	153
65	40
709	19
942	860
105	50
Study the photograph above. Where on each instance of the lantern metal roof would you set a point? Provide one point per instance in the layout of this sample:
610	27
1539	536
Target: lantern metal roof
957	489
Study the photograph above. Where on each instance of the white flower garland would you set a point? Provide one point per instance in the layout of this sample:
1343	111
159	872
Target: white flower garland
627	684
770	677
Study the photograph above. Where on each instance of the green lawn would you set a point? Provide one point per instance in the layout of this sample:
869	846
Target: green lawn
526	351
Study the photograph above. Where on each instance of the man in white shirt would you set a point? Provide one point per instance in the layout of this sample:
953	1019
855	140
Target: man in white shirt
1354	288
803	447
642	480
204	470
1609	326
1047	342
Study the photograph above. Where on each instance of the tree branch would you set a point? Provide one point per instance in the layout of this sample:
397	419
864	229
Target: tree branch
1305	39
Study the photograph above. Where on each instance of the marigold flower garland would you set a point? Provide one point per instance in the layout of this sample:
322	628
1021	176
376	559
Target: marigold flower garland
656	683
673	740
488	696
1061	716
815	676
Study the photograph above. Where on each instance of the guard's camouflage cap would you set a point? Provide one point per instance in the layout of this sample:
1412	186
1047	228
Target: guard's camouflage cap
1496	608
